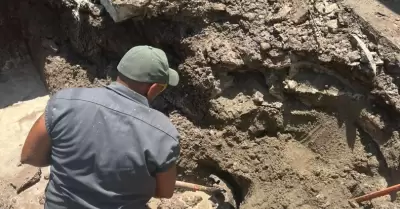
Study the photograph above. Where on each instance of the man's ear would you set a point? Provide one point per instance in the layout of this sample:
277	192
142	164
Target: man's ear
154	90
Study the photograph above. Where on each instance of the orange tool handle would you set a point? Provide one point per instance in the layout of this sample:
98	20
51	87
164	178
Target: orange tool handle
376	194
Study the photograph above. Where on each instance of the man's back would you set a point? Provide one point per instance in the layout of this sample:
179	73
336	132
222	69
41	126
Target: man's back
107	145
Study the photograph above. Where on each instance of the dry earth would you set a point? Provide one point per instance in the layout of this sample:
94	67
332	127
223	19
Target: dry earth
25	97
295	103
382	15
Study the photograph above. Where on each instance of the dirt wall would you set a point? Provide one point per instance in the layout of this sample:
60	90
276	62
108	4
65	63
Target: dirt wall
296	100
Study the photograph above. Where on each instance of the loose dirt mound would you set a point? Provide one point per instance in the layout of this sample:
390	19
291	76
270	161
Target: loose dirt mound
294	102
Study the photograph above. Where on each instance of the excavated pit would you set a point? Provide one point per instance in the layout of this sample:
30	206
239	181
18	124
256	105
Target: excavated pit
277	98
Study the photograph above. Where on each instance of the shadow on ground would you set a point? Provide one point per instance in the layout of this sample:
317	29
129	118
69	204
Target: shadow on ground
20	83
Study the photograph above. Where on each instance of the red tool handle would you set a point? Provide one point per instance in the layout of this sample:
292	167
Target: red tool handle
376	194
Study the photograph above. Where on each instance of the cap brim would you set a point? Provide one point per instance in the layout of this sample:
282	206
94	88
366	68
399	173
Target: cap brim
173	77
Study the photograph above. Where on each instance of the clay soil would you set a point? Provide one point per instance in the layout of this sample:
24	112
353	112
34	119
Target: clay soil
295	103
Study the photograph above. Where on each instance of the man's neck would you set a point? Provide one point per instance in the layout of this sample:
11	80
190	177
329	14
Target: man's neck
134	87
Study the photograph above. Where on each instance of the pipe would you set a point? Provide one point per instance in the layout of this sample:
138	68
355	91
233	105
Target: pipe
376	194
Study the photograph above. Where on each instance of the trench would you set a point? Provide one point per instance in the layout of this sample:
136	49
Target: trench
236	185
240	122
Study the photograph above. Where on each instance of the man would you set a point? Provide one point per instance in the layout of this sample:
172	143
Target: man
107	148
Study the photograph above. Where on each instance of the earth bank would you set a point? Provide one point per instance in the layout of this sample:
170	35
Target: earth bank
294	102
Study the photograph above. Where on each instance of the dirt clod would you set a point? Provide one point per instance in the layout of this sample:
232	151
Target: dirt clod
26	178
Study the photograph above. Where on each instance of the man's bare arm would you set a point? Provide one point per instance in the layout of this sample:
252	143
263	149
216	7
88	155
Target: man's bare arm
165	185
37	147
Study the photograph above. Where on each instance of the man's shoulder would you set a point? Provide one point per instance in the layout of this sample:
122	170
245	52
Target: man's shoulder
151	118
161	122
70	93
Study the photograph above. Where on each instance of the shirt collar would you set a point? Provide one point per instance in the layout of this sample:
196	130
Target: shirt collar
127	92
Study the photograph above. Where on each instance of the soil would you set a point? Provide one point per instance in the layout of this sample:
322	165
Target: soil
294	103
383	15
15	122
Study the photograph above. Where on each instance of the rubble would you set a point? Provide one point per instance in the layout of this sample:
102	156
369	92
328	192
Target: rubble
26	178
123	10
332	25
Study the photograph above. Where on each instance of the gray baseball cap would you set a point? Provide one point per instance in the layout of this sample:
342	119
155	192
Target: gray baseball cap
147	64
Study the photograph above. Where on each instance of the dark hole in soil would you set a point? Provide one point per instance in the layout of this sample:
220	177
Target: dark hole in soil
235	187
238	185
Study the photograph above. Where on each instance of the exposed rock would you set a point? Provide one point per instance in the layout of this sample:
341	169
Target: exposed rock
218	7
332	25
250	16
354	56
265	46
331	8
26	178
121	10
300	16
281	15
325	8
258	98
320	6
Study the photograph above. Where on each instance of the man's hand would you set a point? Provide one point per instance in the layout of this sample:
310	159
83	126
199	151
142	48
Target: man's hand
37	147
165	183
